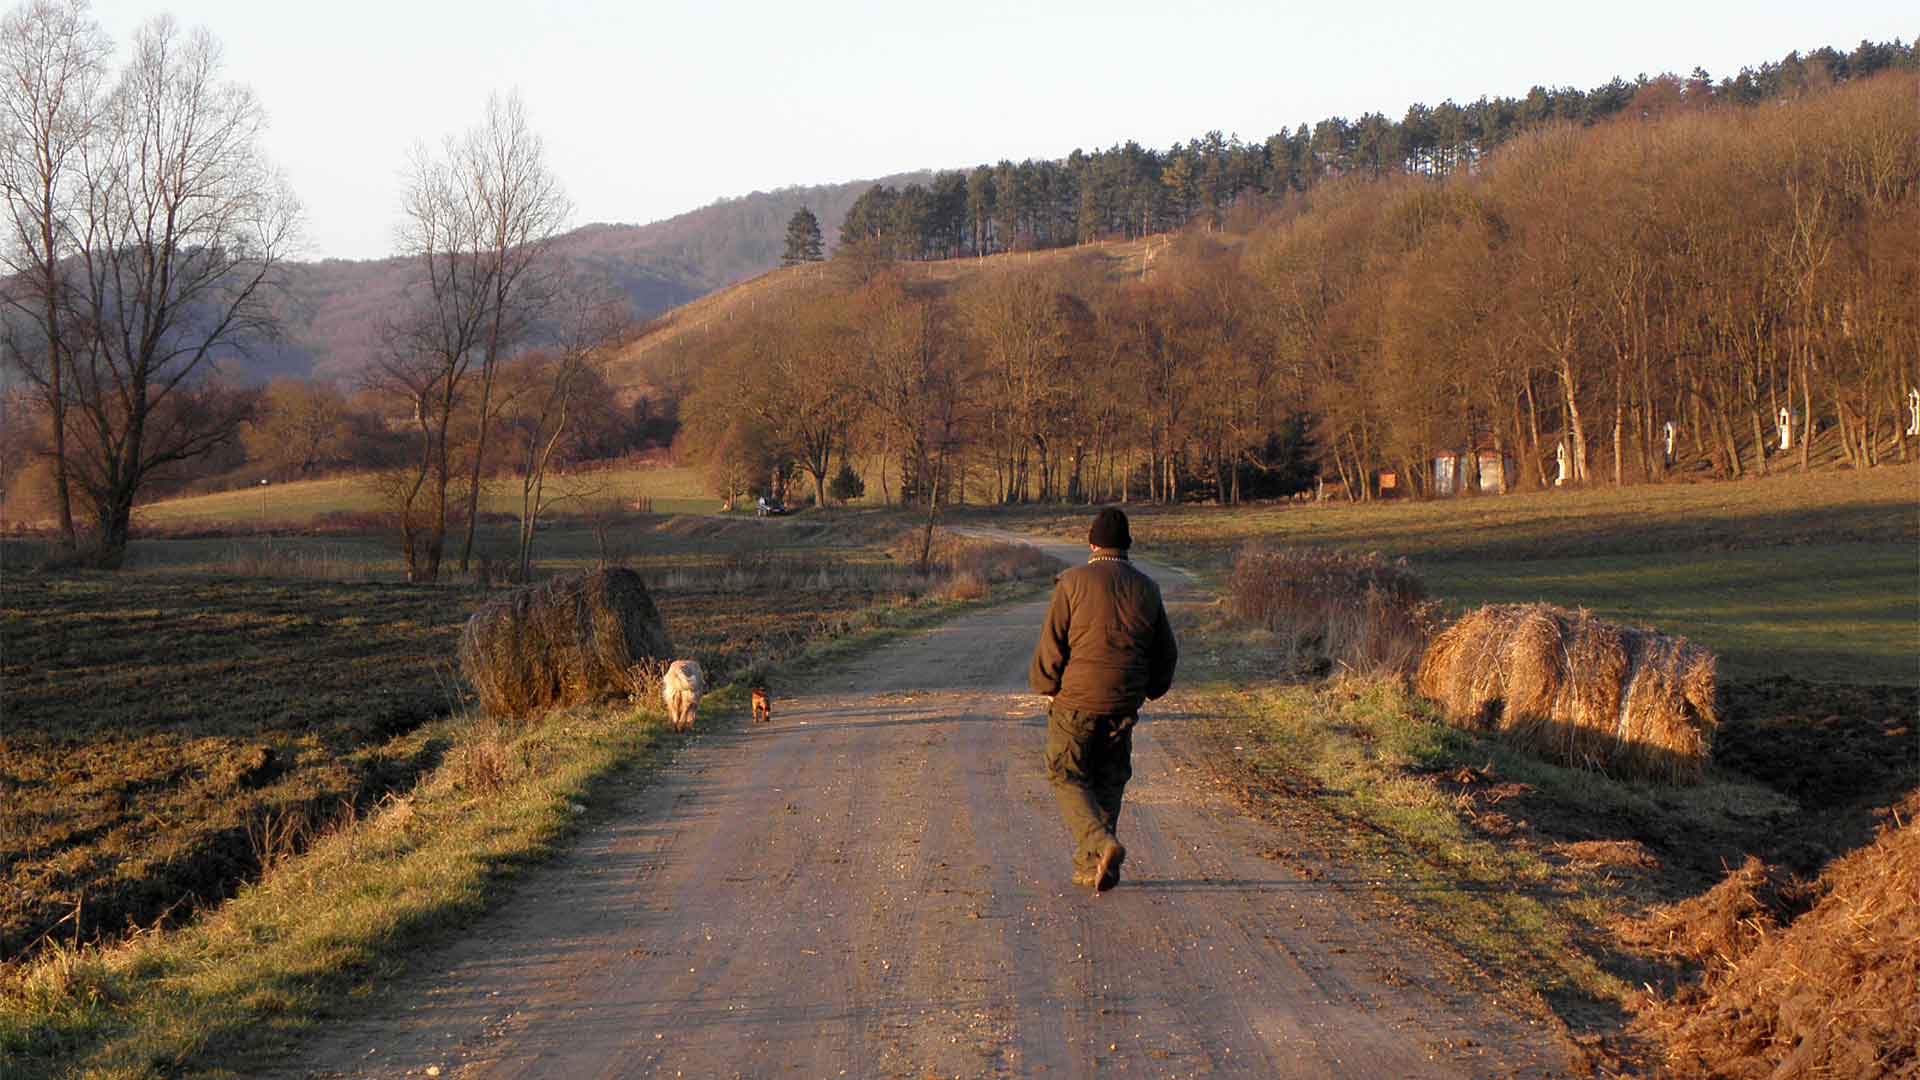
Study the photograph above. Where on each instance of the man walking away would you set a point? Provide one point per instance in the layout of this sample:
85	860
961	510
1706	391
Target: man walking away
1106	647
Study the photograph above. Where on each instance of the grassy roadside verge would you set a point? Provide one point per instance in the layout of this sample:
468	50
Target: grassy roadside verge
1356	769
1535	874
226	994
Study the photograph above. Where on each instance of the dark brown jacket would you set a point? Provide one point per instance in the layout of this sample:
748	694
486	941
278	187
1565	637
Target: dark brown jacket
1106	646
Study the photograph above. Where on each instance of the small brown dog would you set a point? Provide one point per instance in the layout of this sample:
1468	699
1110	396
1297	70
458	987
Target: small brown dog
762	705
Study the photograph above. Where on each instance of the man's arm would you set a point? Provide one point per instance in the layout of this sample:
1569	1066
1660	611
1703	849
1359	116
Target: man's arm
1050	655
1162	655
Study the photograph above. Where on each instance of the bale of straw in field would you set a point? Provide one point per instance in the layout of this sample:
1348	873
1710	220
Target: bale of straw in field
1833	993
567	642
1577	689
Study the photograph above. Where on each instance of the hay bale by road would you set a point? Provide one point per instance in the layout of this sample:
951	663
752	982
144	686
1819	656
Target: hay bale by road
1630	702
567	642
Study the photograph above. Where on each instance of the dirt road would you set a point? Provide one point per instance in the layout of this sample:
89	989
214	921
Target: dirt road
876	885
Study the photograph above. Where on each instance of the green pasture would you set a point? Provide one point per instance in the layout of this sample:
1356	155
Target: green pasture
1841	612
1879	505
1816	576
673	489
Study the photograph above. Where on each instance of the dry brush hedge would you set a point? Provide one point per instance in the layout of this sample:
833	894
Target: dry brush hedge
1361	613
568	642
1632	703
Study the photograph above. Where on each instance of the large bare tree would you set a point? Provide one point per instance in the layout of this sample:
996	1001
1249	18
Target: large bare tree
53	65
180	236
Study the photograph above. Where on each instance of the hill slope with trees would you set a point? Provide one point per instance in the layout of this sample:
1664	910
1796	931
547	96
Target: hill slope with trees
335	308
1700	287
1569	277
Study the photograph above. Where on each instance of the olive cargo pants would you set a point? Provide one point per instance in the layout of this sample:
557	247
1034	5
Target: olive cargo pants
1089	761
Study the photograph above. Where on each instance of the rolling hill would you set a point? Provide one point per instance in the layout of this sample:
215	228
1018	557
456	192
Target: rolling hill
638	366
335	309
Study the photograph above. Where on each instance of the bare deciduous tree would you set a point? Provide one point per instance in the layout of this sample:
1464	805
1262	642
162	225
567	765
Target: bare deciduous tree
53	59
478	219
179	240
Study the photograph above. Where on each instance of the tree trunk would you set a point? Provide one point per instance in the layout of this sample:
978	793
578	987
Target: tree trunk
115	517
1723	423
1870	443
1806	419
1619	426
933	515
57	405
436	543
479	458
1533	435
1576	427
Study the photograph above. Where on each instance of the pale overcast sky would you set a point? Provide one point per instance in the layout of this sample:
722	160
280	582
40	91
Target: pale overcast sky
651	109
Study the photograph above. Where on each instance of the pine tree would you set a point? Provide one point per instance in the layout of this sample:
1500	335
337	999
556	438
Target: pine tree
803	238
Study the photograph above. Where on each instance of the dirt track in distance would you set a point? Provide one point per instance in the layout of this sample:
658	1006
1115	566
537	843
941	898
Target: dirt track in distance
875	884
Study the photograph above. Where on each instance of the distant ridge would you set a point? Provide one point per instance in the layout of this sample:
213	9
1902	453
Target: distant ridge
335	308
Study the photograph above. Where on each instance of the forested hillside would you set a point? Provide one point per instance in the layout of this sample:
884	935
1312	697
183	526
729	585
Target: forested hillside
1639	297
336	308
1132	191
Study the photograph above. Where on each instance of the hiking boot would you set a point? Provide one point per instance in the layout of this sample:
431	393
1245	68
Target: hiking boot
1106	873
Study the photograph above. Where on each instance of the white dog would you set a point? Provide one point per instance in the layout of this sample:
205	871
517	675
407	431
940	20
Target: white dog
681	689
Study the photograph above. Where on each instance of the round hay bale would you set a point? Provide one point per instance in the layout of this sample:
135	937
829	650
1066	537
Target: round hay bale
1577	689
1667	710
1461	670
1533	665
568	642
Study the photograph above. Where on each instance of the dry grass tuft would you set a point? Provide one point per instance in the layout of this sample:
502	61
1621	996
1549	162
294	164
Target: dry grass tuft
568	642
965	585
282	559
1361	614
1834	993
481	764
1585	692
644	682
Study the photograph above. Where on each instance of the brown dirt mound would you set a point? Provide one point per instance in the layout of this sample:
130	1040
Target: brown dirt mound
567	642
1632	703
1835	993
1725	922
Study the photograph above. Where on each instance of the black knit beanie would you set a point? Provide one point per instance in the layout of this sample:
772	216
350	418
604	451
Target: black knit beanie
1110	530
